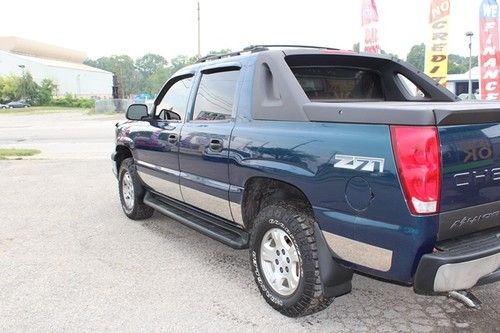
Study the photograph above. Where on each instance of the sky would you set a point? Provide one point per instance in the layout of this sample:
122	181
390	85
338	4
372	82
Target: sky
169	27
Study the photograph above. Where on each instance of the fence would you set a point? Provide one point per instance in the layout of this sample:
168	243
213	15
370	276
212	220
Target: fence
112	105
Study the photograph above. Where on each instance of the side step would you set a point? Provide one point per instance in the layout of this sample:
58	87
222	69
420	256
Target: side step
209	225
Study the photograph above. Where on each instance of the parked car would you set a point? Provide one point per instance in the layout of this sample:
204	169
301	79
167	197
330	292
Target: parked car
324	164
18	104
3	106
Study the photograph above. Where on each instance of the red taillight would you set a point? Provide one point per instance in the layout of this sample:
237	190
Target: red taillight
419	166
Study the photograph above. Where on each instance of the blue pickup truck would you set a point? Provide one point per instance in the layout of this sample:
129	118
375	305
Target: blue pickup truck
323	163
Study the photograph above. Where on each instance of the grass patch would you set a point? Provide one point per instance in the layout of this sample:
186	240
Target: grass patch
43	110
13	153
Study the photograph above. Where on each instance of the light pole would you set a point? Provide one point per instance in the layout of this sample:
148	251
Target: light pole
470	34
199	37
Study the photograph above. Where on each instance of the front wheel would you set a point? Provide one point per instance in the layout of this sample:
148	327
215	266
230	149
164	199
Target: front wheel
284	259
132	192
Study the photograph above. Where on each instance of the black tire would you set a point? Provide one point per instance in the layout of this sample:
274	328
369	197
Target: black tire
298	225
137	210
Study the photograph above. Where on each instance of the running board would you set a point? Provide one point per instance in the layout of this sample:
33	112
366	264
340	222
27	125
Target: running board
208	225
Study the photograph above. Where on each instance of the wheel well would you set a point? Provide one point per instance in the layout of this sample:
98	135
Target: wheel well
122	153
261	192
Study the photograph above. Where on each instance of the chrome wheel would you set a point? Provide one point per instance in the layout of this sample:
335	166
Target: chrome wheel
128	191
279	260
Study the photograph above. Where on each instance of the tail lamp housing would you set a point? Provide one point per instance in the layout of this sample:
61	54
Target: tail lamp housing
418	160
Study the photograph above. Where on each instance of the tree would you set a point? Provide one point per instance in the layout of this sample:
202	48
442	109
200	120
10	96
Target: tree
46	92
181	61
10	88
416	56
28	88
355	47
150	64
459	65
123	67
221	51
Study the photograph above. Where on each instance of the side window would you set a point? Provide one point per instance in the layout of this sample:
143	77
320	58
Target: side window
174	104
410	87
215	96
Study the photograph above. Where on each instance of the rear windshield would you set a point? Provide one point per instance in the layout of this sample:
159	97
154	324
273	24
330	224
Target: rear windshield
330	83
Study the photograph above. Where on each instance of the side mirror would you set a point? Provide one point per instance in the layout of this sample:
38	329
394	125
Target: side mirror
137	112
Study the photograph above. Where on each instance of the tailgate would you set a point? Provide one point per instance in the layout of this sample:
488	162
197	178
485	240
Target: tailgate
470	191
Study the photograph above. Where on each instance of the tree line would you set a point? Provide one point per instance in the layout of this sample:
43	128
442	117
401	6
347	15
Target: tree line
146	74
13	88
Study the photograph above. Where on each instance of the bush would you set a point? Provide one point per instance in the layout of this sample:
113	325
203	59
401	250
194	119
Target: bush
71	101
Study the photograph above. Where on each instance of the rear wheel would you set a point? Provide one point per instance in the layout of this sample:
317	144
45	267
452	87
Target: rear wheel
132	192
284	259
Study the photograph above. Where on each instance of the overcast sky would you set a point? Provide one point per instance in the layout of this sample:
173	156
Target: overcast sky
169	28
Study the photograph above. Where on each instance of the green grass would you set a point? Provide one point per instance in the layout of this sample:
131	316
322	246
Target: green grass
12	153
43	109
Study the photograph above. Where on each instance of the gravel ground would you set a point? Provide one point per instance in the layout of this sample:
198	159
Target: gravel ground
71	261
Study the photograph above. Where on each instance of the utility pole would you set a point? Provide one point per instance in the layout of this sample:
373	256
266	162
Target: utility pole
199	48
470	34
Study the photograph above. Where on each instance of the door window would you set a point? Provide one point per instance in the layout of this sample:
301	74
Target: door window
174	104
215	96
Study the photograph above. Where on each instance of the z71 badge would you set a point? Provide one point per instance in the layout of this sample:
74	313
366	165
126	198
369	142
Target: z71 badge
361	163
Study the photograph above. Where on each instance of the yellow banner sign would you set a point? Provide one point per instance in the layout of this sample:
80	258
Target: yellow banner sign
436	49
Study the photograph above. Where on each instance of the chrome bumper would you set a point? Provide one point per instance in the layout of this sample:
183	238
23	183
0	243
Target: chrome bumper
460	264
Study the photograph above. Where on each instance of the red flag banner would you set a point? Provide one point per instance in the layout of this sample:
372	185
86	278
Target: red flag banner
436	49
369	22
489	53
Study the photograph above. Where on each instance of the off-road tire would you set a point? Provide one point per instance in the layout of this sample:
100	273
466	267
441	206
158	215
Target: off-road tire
298	223
139	211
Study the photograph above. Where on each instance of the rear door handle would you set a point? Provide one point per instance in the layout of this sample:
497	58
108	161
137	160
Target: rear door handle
215	145
172	138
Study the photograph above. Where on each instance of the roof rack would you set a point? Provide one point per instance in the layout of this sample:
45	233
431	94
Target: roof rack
260	48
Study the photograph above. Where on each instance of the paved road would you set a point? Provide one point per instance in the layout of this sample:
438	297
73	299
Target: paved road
70	260
60	136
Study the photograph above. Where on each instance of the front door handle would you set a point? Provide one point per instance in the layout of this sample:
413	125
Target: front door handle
172	138
215	145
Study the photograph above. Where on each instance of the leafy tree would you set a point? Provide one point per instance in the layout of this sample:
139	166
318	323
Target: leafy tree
181	61
150	64
123	67
221	51
355	47
10	88
46	92
28	88
416	56
459	65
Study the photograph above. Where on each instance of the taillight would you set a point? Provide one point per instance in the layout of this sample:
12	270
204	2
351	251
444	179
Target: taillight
419	166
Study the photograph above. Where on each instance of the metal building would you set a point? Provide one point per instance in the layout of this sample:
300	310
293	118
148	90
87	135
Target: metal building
63	66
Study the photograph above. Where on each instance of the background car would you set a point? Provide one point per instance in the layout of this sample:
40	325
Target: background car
18	104
3	106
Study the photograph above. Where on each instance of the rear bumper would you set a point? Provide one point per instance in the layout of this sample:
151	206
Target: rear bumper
460	264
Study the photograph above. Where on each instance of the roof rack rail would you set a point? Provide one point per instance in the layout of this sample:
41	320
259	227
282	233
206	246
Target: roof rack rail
267	46
259	48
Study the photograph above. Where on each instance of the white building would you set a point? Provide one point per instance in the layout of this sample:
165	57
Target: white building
459	83
63	66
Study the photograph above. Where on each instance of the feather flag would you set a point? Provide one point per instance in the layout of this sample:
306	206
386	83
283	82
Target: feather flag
489	53
369	23
436	49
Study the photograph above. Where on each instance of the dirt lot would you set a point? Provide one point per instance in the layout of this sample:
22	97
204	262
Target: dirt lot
70	260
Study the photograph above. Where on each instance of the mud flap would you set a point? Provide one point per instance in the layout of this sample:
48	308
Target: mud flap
336	280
